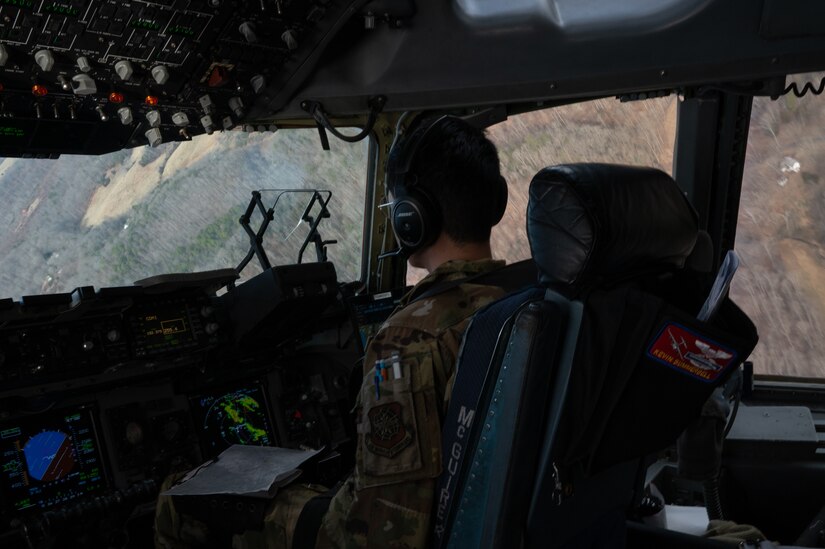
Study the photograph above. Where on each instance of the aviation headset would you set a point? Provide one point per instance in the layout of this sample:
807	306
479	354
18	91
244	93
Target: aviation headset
416	217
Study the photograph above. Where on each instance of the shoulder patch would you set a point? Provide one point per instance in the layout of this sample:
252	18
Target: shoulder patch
690	352
388	434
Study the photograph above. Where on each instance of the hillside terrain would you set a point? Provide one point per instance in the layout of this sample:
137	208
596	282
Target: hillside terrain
114	219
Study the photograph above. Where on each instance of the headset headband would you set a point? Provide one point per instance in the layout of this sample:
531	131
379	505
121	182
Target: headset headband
407	151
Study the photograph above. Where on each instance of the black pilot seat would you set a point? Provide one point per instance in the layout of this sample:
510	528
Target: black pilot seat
563	389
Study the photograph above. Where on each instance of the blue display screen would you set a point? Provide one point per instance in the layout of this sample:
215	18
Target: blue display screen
50	460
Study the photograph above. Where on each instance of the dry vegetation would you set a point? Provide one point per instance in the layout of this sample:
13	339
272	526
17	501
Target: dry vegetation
781	235
111	220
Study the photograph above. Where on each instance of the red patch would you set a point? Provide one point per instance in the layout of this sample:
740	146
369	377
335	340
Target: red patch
690	352
388	434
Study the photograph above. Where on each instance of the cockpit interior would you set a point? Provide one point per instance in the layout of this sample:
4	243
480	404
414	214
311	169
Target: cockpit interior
196	252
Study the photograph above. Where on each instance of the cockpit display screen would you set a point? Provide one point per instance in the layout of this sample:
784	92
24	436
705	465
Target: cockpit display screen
50	460
370	311
235	417
163	328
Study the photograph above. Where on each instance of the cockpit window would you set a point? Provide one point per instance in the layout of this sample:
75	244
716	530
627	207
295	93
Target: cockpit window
113	219
781	233
605	130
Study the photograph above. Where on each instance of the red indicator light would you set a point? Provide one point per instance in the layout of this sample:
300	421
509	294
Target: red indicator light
2	87
218	77
116	97
151	100
39	91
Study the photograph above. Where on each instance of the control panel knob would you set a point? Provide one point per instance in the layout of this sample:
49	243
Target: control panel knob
247	29
4	55
208	124
44	59
290	38
236	104
126	118
64	83
207	311
180	119
154	137
83	64
133	433
124	69
161	74
211	328
88	345
258	83
82	84
154	118
102	114
206	104
228	123
113	335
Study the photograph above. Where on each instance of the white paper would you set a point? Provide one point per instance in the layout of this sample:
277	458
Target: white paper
688	520
721	286
253	471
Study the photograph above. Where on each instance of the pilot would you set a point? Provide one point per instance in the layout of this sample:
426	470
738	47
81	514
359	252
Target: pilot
447	193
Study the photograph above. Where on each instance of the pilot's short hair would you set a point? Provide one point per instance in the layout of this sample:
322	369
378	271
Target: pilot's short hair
458	166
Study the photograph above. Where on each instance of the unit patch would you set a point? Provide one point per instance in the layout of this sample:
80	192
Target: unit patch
690	352
388	435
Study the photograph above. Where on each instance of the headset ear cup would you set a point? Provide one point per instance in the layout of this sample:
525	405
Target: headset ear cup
416	221
501	202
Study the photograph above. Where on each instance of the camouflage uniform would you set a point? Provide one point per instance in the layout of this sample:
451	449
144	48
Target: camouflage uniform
387	502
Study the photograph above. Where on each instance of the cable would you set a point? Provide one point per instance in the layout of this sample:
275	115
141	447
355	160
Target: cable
713	502
737	394
316	110
807	87
383	253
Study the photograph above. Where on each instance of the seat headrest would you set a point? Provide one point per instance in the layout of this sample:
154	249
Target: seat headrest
590	222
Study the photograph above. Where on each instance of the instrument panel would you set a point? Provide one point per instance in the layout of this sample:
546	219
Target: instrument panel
105	393
94	76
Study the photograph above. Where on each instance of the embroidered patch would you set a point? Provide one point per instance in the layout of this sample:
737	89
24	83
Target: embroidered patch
690	352
388	435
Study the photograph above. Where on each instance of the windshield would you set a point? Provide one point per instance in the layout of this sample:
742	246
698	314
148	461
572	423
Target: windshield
114	219
639	133
781	233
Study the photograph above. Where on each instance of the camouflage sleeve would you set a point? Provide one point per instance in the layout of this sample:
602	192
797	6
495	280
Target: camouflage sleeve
389	499
175	530
172	529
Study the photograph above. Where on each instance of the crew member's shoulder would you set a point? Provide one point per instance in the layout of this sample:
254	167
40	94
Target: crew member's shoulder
442	311
457	293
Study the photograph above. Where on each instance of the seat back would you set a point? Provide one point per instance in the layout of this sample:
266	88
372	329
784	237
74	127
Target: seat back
561	390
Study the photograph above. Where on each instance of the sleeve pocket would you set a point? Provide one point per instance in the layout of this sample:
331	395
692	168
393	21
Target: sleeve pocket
399	432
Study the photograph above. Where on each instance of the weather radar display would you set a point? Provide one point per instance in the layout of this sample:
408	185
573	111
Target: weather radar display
236	417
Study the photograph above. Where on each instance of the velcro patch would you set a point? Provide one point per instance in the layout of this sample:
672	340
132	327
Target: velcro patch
388	434
690	352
